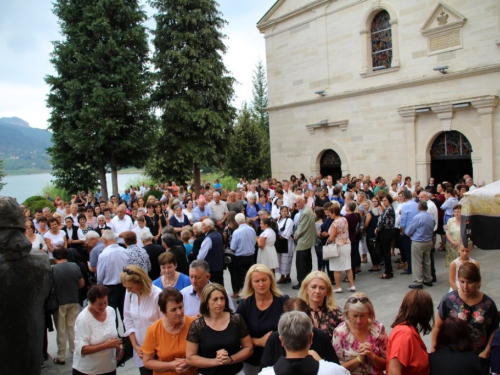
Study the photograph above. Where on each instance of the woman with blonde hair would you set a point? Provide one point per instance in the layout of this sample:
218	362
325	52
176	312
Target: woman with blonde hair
219	340
361	341
140	309
317	291
261	307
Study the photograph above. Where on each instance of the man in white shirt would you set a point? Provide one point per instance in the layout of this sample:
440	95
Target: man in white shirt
199	274
121	223
287	192
329	185
470	184
219	210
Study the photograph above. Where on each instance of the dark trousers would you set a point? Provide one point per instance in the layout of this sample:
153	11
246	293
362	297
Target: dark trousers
217	277
386	237
145	371
374	250
234	275
243	263
76	372
406	243
319	254
116	298
303	262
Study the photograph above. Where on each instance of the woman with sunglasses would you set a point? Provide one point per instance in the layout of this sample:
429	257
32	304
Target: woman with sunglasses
140	309
360	341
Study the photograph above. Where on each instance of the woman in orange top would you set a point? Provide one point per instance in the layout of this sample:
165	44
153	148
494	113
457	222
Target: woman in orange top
164	348
406	352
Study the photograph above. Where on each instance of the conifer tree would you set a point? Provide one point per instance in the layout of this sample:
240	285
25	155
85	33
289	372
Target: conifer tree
193	89
99	95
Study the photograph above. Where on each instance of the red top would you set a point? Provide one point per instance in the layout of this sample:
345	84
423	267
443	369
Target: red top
407	346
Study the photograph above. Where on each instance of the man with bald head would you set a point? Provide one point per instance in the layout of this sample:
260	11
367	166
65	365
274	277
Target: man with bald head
306	237
219	210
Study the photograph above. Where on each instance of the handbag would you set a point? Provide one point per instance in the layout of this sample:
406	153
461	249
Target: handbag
51	302
128	351
331	251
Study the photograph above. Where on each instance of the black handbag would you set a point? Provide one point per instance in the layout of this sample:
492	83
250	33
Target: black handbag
128	351
52	302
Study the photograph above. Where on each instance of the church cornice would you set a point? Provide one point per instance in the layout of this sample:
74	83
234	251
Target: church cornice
471	72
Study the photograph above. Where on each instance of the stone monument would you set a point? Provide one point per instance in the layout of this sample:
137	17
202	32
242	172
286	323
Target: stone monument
24	285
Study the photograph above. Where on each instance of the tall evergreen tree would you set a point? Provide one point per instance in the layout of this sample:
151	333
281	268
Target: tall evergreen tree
259	96
193	89
246	148
259	111
99	97
2	175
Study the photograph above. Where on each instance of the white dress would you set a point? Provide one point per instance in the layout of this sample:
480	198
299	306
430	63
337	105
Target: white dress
285	259
39	240
268	255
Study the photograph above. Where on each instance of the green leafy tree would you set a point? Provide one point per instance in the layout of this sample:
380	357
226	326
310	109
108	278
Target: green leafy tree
246	148
100	112
259	111
193	89
2	175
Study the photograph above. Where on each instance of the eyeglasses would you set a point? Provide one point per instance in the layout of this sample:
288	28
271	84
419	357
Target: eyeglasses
360	299
129	271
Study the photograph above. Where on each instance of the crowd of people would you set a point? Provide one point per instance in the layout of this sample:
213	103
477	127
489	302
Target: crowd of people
158	267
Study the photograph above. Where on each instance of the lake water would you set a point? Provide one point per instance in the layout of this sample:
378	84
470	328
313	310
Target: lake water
25	186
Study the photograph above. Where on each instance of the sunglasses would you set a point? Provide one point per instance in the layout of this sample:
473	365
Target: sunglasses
128	271
356	299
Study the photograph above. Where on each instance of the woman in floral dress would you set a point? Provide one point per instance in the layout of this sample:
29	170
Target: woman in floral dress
361	341
473	306
317	291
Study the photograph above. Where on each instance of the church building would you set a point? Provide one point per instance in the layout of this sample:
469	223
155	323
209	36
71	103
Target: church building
383	87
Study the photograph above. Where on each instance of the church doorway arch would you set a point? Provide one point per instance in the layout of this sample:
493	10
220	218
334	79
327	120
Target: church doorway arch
451	157
331	165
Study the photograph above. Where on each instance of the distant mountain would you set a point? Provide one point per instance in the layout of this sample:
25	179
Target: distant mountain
14	121
22	146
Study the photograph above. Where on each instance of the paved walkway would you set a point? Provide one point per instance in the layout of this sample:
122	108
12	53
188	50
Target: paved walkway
385	294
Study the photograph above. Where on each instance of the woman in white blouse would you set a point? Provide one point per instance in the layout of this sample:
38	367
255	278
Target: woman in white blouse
140	309
97	345
54	238
37	241
188	211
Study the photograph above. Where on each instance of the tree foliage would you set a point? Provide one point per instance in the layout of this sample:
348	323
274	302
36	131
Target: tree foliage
193	89
2	175
245	151
99	96
259	96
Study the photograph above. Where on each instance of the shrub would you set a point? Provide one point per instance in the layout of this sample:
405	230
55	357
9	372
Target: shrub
155	193
228	183
37	202
55	191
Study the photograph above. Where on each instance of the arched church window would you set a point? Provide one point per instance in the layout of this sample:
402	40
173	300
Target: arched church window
381	40
451	143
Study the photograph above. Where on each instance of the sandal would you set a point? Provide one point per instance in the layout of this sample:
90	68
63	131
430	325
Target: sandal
401	266
387	277
58	362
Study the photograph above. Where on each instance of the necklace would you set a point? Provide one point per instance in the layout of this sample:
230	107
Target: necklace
164	281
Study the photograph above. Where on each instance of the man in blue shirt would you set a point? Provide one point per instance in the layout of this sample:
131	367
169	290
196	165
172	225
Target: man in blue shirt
408	211
243	246
421	231
202	211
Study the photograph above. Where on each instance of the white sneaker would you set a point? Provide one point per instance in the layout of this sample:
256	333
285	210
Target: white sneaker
351	289
339	290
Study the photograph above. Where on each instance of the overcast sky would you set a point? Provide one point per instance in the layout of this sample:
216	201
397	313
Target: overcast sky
27	28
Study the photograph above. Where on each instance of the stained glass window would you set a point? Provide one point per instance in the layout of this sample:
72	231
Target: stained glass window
451	143
381	38
330	157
